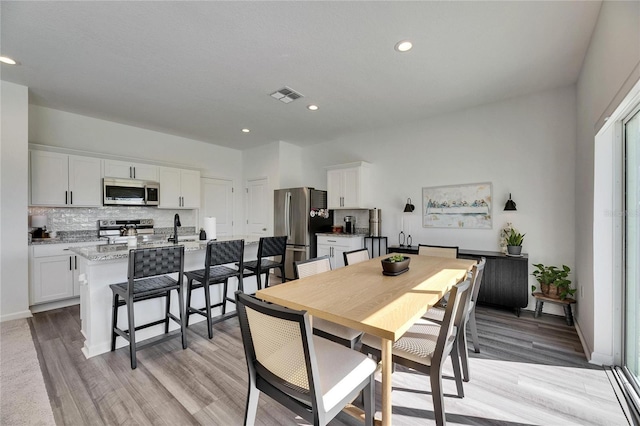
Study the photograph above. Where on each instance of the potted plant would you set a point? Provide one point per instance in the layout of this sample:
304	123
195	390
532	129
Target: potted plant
553	281
395	264
514	242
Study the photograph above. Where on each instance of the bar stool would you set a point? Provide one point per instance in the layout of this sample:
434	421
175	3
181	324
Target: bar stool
219	253
267	247
147	279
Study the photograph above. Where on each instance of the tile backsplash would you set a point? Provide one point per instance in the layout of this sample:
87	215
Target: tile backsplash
361	215
86	219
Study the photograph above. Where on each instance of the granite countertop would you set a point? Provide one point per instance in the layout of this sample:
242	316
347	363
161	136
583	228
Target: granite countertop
67	240
341	234
121	251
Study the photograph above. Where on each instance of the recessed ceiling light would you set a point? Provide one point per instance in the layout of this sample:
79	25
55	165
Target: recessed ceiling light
7	60
245	130
312	107
403	46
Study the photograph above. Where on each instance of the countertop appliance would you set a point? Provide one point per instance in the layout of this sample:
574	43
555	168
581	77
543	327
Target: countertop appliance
111	228
350	224
130	192
299	214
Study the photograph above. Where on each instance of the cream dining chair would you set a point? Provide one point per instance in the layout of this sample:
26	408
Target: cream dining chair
426	346
439	251
297	369
355	256
436	314
338	333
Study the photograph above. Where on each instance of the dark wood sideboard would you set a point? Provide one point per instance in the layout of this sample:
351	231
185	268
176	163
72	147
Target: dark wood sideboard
505	281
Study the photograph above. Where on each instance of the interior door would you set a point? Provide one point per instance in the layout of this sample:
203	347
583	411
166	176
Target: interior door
217	201
257	206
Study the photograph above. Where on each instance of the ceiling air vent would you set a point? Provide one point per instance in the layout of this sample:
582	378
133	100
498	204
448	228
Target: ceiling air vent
286	95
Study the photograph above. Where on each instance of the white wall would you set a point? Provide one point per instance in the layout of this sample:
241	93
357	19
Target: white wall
524	146
14	288
611	67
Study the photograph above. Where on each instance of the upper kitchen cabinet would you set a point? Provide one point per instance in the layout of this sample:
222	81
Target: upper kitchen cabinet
128	170
348	186
179	188
65	180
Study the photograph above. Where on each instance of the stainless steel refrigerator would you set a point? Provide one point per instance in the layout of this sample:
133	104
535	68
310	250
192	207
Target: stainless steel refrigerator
299	214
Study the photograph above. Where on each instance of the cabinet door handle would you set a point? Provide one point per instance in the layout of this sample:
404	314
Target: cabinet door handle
70	197
70	268
75	260
130	172
134	172
66	193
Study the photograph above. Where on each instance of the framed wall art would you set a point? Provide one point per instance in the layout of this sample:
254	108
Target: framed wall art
457	206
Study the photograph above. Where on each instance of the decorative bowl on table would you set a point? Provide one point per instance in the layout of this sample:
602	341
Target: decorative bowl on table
395	265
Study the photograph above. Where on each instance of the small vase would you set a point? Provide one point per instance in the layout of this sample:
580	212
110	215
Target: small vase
514	250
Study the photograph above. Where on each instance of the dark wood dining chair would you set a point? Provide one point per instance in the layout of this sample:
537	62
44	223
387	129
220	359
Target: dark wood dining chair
426	346
297	369
355	256
346	336
439	251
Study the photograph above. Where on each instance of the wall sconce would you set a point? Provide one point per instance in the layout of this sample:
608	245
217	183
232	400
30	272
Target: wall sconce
408	208
510	205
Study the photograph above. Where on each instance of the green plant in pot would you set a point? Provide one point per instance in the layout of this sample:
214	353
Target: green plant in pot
514	242
553	281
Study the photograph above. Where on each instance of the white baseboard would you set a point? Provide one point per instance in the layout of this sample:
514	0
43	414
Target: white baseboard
593	357
16	315
55	305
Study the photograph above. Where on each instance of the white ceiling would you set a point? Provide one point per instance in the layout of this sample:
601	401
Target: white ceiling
204	70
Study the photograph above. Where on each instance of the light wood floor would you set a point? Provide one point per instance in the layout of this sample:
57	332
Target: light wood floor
530	372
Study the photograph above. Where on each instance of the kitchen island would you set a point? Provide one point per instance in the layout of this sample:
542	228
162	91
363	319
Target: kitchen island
101	266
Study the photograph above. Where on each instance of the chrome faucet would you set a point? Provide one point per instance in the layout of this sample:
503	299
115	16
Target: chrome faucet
176	223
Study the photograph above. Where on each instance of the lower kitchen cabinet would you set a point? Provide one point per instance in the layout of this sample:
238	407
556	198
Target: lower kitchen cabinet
335	246
53	273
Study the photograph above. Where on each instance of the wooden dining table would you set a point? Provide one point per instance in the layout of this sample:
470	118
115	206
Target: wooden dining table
361	297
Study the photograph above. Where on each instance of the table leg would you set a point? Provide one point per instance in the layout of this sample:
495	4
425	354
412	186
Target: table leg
387	365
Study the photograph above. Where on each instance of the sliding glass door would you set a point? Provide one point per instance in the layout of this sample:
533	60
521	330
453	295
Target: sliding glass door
631	134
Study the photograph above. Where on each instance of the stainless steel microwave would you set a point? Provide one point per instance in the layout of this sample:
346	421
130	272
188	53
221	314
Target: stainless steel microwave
130	192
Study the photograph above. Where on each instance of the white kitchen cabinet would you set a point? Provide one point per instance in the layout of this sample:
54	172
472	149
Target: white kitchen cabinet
179	188
348	186
53	272
129	170
335	246
65	180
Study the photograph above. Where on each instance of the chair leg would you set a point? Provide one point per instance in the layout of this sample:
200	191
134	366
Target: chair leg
224	296
114	321
166	315
207	304
474	331
266	279
252	405
132	334
183	324
455	361
284	278
463	350
368	395
189	284
438	398
259	279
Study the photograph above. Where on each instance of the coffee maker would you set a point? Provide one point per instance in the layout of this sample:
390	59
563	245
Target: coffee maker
350	224
39	225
